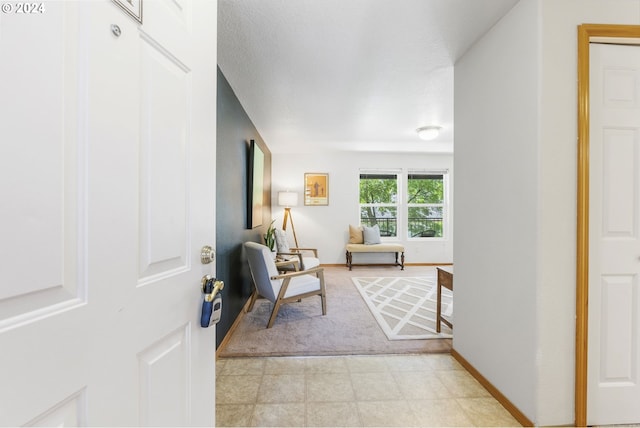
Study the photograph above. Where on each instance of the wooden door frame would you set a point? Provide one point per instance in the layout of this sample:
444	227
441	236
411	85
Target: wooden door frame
586	33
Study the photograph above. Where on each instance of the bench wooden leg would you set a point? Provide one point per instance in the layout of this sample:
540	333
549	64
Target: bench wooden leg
349	257
401	264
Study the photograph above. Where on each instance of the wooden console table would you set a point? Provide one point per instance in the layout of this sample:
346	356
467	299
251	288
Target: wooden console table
445	279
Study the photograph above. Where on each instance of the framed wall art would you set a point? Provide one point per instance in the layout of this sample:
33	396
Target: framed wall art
316	188
255	184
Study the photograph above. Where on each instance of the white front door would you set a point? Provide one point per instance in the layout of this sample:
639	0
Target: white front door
614	230
107	194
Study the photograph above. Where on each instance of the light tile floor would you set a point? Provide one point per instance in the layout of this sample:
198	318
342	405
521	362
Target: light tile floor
353	391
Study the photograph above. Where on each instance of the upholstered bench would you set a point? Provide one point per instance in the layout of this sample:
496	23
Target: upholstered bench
375	248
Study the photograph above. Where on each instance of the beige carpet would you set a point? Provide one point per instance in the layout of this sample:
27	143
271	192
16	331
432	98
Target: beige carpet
349	328
405	308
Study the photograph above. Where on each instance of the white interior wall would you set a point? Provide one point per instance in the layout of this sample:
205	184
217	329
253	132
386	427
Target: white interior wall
558	181
496	205
515	271
327	227
546	31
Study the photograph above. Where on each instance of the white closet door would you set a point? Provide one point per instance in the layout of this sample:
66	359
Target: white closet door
614	267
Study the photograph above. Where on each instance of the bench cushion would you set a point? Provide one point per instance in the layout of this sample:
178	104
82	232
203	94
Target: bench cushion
375	248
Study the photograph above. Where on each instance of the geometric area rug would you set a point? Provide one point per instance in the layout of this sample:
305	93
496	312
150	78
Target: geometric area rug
405	307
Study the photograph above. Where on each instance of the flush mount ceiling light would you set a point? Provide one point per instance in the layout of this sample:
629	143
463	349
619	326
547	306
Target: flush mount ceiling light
428	132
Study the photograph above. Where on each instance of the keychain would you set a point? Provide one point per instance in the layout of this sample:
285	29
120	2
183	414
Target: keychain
212	303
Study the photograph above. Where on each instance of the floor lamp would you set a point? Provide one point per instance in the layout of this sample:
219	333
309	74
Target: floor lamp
287	200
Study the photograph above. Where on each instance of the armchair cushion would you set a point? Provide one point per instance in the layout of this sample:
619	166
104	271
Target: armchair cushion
301	285
305	261
288	253
263	268
282	244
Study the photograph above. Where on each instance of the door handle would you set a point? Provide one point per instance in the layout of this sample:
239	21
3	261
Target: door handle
207	255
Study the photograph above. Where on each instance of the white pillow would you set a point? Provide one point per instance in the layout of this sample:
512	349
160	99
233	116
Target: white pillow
371	234
282	245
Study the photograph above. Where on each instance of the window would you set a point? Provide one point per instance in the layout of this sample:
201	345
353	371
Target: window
379	202
421	214
425	205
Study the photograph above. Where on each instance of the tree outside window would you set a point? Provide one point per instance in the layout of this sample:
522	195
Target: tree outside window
421	213
379	202
425	205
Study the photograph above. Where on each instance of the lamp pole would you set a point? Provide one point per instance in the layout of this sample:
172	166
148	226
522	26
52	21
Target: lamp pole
288	216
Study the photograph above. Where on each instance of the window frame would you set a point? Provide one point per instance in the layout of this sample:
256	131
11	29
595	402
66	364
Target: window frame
444	204
402	205
397	205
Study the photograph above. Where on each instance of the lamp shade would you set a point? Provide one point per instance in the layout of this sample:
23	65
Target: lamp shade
287	199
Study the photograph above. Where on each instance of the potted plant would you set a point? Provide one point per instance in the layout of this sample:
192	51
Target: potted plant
270	238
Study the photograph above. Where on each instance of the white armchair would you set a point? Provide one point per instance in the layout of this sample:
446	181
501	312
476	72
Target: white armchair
281	288
307	257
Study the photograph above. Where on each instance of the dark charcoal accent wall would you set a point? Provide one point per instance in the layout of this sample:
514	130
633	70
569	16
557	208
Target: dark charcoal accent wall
234	131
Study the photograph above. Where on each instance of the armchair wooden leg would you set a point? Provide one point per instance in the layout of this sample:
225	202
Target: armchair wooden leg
323	294
274	313
252	300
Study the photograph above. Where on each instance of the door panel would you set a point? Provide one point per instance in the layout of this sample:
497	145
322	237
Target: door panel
41	259
164	175
614	269
36	191
618	332
166	362
620	186
70	412
109	181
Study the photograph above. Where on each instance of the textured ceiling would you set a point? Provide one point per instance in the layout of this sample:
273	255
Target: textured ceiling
357	75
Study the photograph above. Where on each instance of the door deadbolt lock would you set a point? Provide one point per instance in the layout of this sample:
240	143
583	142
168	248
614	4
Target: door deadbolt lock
207	255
